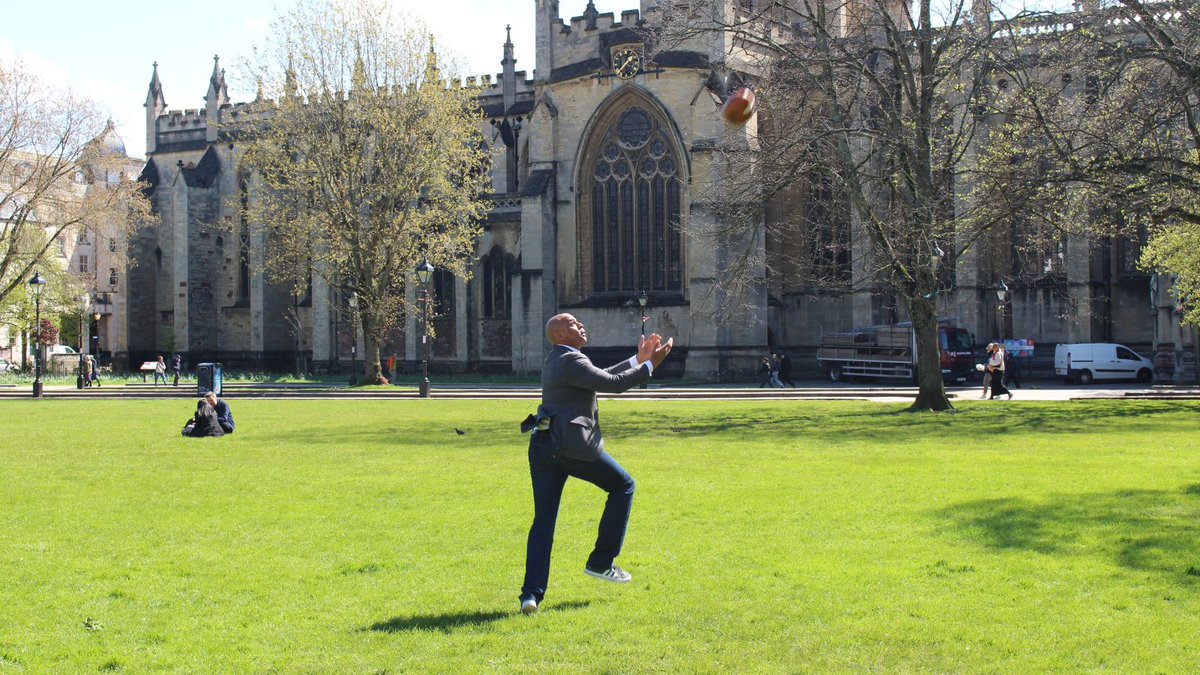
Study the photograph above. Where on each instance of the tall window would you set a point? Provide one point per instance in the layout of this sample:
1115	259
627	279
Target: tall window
631	205
443	293
497	272
243	244
83	263
829	231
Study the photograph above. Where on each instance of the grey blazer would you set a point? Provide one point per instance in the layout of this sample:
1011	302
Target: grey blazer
569	386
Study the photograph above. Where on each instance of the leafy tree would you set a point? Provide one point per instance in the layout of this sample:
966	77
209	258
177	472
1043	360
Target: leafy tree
365	162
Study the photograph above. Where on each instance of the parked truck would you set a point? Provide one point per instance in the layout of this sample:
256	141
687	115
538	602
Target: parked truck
890	351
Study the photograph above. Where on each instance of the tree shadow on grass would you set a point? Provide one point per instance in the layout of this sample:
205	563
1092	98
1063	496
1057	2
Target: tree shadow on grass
882	422
451	621
1146	530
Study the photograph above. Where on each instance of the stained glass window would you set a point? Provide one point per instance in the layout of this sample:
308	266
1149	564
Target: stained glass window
631	217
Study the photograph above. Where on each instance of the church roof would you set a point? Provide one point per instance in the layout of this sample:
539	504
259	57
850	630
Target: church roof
538	181
203	174
150	177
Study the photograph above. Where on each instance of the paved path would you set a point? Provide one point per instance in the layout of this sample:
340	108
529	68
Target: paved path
1040	391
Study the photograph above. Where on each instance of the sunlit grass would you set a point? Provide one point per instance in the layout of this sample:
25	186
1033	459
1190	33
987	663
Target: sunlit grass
355	536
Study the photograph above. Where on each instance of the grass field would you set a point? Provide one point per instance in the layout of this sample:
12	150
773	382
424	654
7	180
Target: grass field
347	536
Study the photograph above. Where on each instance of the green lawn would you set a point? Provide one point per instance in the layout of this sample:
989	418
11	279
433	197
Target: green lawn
348	536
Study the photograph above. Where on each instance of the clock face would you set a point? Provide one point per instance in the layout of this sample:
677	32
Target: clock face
626	63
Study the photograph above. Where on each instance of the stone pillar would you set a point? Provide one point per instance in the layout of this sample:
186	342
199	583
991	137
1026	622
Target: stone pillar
323	339
1079	258
257	276
179	261
728	327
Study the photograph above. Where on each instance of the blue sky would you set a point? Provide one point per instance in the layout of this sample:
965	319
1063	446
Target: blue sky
105	49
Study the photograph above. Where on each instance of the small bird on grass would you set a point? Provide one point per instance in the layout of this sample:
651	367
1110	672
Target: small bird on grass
460	432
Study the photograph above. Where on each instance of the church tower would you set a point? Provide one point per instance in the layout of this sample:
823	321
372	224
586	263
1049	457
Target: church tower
155	106
218	95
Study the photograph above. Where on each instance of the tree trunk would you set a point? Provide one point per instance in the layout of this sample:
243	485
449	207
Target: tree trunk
372	336
931	391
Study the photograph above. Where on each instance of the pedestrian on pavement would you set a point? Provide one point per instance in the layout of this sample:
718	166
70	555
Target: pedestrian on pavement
176	366
160	371
94	367
764	373
996	366
785	370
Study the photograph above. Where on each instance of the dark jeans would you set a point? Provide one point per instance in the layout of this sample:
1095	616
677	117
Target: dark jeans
549	473
998	388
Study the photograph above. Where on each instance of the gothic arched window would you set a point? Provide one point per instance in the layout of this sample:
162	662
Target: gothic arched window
631	205
443	293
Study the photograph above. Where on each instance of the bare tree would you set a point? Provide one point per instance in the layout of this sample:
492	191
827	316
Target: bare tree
1108	115
56	179
871	115
366	162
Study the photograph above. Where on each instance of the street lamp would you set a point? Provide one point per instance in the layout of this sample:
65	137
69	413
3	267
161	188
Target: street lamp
353	338
83	305
424	274
1001	295
36	283
642	299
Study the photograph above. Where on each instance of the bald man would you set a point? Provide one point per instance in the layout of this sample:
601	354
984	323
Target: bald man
573	446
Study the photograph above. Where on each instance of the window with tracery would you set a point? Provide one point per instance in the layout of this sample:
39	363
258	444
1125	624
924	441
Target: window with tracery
631	206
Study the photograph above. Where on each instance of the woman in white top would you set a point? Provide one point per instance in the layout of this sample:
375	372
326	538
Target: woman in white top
995	366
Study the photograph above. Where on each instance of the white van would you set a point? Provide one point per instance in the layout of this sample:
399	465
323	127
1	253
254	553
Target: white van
1100	361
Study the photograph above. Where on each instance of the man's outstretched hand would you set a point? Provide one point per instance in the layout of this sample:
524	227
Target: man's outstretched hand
646	347
661	350
653	349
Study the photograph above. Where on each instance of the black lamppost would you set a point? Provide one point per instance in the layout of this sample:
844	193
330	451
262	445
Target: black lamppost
424	274
353	338
1001	295
642	299
83	305
36	283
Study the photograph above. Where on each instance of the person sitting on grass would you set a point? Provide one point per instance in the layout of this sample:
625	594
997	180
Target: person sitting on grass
204	422
224	415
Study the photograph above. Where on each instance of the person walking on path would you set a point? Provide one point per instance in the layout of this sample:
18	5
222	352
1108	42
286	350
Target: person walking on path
995	366
567	442
776	362
160	371
764	372
94	368
785	370
176	366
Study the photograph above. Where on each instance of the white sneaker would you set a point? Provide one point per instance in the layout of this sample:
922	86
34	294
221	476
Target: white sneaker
528	606
614	574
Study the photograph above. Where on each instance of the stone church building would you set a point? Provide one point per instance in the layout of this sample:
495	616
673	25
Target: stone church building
598	154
